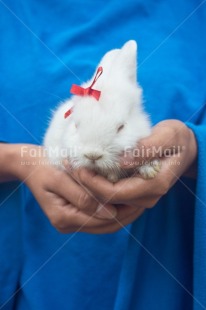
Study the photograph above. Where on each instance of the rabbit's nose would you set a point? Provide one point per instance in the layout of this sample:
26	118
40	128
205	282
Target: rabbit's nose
93	156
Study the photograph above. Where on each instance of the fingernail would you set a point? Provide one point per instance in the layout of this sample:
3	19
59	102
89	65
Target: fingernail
65	162
67	166
106	212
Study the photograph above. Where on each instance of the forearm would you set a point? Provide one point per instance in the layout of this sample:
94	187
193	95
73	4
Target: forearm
15	161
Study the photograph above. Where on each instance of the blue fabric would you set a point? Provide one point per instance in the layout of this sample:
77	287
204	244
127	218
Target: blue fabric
199	219
158	262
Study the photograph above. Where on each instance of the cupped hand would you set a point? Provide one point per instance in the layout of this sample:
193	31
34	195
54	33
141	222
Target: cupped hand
175	145
68	205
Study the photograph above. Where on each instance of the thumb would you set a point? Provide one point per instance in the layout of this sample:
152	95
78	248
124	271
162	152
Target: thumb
163	142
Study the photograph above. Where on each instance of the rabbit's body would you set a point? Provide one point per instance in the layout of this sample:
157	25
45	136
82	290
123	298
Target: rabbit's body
97	132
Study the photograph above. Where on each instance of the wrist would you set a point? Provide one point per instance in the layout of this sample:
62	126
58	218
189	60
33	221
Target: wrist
15	161
9	161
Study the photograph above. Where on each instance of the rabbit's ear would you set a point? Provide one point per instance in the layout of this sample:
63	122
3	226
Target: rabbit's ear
109	59
127	60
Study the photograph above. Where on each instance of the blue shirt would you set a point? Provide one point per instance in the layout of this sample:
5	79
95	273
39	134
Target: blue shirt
158	262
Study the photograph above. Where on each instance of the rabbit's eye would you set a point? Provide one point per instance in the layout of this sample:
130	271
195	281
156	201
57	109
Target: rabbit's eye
120	128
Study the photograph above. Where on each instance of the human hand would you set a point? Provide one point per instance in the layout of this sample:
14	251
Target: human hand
135	194
68	206
168	138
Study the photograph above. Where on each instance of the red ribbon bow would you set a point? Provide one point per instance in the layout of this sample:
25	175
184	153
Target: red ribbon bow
89	91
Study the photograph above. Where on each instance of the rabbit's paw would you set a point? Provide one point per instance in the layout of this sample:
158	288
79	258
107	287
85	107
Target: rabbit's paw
150	170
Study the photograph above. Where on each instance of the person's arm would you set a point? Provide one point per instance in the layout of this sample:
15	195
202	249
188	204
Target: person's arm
70	200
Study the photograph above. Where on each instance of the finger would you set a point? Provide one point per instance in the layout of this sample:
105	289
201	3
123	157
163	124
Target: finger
103	211
106	211
165	140
113	193
173	168
78	221
126	215
69	219
63	185
165	134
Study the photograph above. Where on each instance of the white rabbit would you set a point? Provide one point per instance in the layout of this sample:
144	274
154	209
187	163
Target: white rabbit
98	131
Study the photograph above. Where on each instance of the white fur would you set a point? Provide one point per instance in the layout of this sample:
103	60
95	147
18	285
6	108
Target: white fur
91	129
